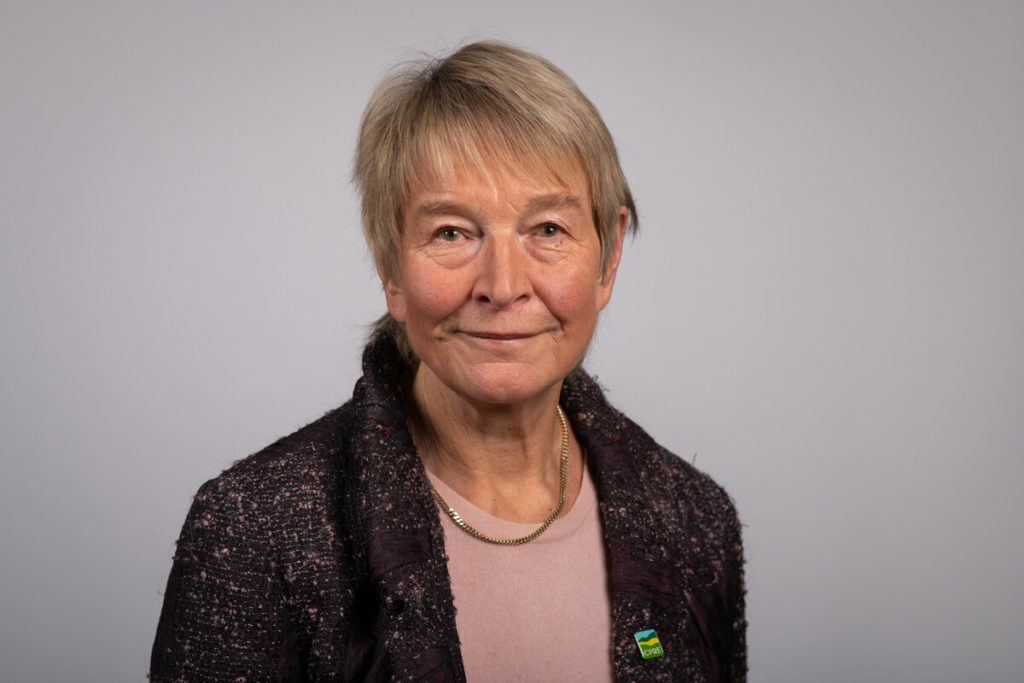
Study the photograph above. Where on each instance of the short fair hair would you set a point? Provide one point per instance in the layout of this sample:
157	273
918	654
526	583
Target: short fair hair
491	105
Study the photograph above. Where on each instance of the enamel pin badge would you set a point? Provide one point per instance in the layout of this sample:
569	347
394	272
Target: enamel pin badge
650	646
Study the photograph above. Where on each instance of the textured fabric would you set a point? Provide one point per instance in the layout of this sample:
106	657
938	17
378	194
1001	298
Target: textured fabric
534	612
322	557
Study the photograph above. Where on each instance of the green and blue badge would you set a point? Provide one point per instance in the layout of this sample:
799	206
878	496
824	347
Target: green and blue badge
650	646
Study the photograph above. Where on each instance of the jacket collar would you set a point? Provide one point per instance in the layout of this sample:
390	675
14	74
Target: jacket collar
642	546
399	539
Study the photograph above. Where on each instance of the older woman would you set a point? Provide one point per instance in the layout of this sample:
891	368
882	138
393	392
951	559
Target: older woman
476	510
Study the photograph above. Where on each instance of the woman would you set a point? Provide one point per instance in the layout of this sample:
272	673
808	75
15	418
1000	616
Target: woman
477	510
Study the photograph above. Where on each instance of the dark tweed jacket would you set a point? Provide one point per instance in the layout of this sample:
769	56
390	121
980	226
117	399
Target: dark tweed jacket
321	558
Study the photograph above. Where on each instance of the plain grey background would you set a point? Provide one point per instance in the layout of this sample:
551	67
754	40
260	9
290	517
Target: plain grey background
825	309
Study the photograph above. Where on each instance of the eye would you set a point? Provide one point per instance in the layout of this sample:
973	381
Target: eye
449	235
550	230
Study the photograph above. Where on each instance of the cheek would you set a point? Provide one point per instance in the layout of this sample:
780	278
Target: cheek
428	297
581	296
423	307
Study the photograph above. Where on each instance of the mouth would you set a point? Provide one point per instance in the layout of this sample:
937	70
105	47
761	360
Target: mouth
499	336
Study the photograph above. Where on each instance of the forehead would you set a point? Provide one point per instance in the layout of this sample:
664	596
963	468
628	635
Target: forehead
456	174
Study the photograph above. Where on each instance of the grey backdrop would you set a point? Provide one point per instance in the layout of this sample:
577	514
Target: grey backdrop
824	309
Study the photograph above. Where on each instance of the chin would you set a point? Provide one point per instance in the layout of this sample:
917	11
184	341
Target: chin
507	386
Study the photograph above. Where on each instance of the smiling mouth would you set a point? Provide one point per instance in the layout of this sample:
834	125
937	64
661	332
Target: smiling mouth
500	336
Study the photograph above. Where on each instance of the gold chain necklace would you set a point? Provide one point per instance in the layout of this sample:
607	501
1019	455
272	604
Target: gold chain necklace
563	479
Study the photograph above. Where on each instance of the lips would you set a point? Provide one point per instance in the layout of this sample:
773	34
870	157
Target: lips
499	336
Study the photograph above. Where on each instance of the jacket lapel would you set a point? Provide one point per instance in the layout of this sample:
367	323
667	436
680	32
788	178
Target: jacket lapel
400	541
643	543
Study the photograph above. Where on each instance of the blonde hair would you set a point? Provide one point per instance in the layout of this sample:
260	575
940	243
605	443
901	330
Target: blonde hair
491	105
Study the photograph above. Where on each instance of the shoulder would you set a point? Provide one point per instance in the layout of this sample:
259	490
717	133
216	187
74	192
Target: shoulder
691	488
306	452
631	447
280	488
682	495
639	471
292	463
261	557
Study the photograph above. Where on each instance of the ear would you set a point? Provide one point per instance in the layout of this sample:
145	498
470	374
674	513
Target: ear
607	281
394	294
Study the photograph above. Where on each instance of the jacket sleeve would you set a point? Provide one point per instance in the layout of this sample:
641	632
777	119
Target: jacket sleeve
735	600
718	604
223	616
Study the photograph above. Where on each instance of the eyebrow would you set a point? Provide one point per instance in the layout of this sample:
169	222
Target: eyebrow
553	201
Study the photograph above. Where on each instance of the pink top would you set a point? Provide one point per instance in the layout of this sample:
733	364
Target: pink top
534	612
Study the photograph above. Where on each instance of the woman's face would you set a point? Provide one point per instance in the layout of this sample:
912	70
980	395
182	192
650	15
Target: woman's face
500	282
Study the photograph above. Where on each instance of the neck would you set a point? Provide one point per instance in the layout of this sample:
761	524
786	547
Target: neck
505	459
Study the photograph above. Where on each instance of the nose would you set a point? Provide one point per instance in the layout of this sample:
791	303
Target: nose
504	272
